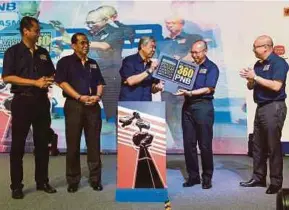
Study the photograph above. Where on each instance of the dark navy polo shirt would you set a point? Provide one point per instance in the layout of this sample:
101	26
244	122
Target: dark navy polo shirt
207	76
273	68
180	45
18	61
133	65
84	79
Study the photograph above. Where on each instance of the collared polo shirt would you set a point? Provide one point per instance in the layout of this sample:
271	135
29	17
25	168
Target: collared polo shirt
273	68
133	65
83	78
18	61
207	76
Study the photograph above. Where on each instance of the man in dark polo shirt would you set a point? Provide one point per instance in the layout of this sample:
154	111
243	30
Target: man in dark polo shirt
268	80
30	71
137	83
198	118
177	44
82	84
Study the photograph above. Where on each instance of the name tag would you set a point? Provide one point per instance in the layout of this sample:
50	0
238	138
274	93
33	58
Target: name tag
182	41
93	66
266	67
203	71
43	57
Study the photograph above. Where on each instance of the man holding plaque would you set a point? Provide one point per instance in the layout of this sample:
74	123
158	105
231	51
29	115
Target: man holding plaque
177	44
268	80
198	118
137	83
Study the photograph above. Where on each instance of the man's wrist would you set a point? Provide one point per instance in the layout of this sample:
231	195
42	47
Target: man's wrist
78	98
99	95
255	78
148	71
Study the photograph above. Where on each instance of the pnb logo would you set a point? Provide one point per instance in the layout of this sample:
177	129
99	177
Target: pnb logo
7	7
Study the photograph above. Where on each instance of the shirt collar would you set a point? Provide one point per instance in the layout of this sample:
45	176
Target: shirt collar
75	57
206	63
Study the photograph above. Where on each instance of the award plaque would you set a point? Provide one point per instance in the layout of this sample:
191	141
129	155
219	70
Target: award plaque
176	73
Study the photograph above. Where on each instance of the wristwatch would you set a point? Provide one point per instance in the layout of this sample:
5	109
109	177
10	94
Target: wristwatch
148	71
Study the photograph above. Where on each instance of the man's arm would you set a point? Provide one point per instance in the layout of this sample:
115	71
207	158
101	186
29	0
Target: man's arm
274	85
41	82
69	90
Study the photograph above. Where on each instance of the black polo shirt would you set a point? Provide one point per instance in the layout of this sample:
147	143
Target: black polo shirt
18	61
273	68
83	78
207	76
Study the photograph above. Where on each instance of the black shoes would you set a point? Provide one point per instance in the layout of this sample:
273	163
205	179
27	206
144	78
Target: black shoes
46	188
253	183
96	186
17	194
272	189
191	183
207	184
72	188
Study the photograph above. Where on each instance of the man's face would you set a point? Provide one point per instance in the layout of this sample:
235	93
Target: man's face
94	22
259	48
174	25
198	53
81	47
149	49
33	33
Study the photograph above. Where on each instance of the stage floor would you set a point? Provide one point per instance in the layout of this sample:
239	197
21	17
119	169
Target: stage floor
225	194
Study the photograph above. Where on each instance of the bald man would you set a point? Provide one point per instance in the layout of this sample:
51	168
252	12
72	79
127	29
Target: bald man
177	44
198	118
267	80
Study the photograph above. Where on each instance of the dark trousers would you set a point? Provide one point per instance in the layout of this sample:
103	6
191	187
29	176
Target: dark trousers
27	111
197	123
78	117
268	124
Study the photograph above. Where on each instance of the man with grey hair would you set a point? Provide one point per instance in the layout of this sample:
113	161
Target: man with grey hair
137	83
268	81
107	40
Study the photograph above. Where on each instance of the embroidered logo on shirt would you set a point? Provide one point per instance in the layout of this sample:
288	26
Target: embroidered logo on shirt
182	41
203	71
266	67
43	57
93	66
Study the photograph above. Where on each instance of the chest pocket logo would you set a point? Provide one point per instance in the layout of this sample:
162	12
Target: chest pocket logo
266	67
182	41
203	71
93	66
43	57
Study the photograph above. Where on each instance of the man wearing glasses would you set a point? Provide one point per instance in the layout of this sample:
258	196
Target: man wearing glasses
198	118
82	84
267	80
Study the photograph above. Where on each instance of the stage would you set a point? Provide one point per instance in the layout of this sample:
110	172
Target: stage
225	194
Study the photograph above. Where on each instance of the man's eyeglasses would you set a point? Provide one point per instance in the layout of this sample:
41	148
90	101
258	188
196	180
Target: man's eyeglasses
258	46
82	43
197	53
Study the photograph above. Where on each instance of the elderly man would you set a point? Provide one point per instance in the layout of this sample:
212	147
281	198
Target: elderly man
268	80
82	84
137	83
177	44
198	118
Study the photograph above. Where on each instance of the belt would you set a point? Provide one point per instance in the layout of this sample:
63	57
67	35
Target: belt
269	102
29	94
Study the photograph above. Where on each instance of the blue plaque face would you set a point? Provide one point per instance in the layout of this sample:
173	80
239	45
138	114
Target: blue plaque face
176	73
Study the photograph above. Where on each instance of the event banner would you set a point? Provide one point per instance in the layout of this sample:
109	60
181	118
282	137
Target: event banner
119	25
